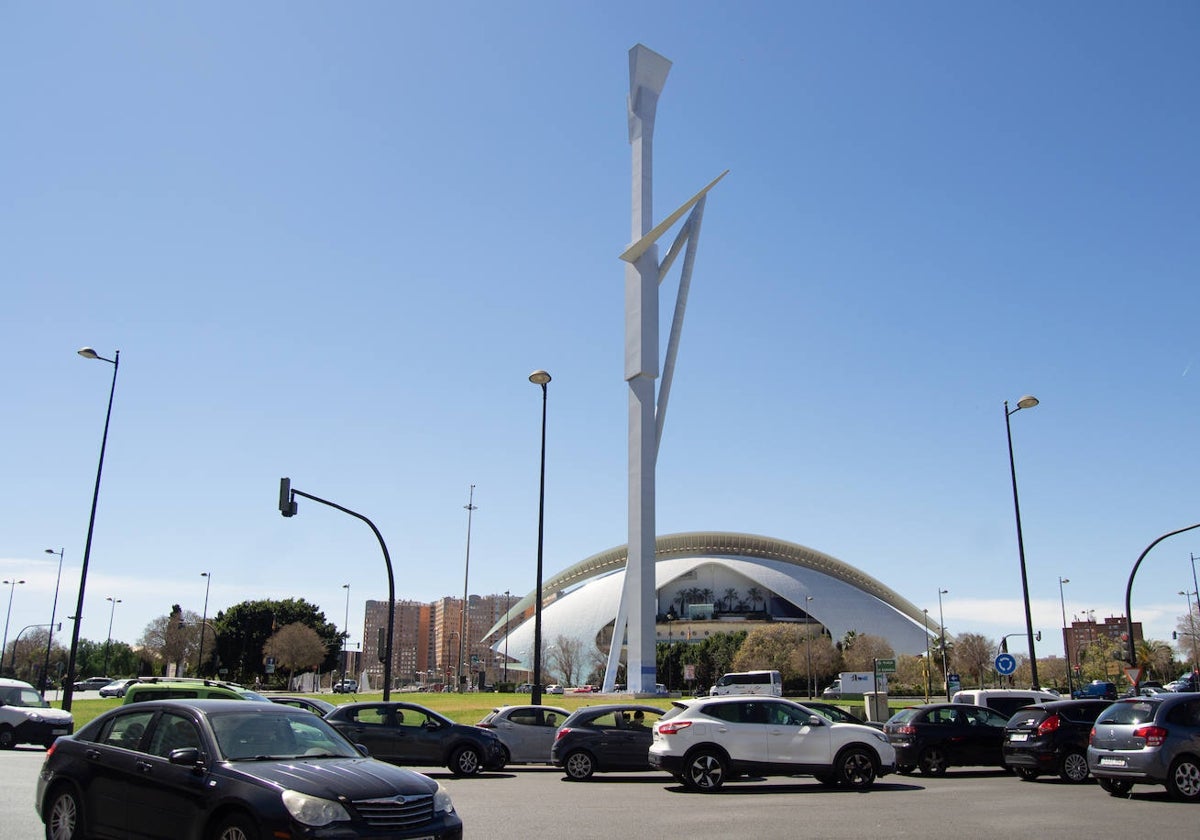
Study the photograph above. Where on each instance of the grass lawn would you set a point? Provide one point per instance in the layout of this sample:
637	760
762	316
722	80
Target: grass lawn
462	708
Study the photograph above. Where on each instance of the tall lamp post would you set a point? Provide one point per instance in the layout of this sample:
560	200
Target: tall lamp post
69	682
540	377
50	630
462	627
203	621
1066	645
345	635
12	588
942	625
808	642
1191	623
507	609
1025	402
112	612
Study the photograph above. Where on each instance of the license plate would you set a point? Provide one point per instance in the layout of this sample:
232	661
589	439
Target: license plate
58	732
1112	762
1019	736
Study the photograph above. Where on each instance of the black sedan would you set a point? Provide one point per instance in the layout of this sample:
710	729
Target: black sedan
1052	738
405	733
229	770
940	735
597	739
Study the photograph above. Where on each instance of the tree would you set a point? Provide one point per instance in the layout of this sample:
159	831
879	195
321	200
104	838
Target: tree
755	595
731	598
565	657
785	648
171	639
861	653
296	647
244	628
973	657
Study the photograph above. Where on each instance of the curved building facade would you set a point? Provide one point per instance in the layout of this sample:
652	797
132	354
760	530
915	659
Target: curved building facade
722	575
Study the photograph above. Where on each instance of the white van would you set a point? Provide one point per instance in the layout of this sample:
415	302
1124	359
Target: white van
749	682
1006	701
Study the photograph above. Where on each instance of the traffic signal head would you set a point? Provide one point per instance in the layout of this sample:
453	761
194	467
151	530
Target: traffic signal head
287	506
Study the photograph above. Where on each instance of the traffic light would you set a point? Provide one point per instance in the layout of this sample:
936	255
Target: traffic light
382	645
287	506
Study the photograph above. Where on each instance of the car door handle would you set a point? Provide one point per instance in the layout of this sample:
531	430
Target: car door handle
143	766
94	755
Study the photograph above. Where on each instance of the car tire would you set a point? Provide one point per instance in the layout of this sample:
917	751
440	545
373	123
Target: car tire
905	769
465	761
7	739
705	771
235	827
1025	774
1073	768
827	779
579	766
933	762
64	816
1116	787
1183	779
506	754
856	768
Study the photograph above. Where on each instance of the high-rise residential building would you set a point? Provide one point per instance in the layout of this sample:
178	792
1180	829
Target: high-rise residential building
1081	634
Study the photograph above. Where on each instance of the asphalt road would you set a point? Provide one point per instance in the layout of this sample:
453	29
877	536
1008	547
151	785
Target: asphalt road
528	803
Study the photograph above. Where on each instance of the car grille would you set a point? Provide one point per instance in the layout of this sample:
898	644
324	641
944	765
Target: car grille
395	812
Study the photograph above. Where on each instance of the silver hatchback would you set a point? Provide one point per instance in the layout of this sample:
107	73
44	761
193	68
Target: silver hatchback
527	732
1148	740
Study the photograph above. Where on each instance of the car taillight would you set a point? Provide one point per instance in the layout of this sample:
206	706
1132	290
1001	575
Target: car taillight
486	725
1049	725
1154	735
50	749
673	726
558	736
906	729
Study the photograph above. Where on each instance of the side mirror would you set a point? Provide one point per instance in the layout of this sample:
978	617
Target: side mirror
816	720
185	757
362	748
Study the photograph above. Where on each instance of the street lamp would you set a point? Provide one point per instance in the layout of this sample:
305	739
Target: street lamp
540	377
69	684
808	642
345	634
1192	623
12	588
1024	402
463	629
942	624
50	631
1066	645
203	621
108	641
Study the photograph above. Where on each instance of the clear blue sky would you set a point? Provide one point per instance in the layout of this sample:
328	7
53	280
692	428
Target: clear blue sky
332	241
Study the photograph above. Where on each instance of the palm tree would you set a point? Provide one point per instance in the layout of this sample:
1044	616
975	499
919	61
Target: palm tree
755	594
707	594
731	596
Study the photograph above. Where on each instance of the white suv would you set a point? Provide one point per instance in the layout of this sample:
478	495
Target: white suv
703	742
25	718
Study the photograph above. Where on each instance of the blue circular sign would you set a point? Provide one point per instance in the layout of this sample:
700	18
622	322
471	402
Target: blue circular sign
1006	664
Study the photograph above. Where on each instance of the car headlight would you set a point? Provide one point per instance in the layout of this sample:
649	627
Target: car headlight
441	801
34	717
312	810
882	736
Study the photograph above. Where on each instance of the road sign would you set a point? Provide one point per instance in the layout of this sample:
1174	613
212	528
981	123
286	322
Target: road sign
885	666
1006	664
1134	675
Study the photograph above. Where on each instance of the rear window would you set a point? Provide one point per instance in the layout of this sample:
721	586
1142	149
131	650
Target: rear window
1128	713
903	716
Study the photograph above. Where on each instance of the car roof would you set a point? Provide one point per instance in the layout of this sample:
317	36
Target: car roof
501	709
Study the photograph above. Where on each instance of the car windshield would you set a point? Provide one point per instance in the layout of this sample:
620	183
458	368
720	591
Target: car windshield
252	736
1128	713
26	697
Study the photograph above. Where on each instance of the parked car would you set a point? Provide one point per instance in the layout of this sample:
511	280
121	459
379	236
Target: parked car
702	742
1096	689
936	736
195	769
345	687
554	688
1006	701
312	704
1051	738
527	732
116	688
614	737
835	714
172	688
1148	740
405	733
25	718
92	683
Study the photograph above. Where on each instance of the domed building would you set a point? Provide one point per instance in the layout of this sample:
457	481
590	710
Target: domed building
713	582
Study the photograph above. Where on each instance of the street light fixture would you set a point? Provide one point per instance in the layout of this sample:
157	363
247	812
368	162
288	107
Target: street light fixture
942	625
1024	402
540	377
108	641
12	588
50	631
1066	645
69	683
203	621
464	629
507	610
